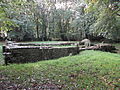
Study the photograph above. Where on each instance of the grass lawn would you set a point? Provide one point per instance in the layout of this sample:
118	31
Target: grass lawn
51	41
90	70
94	70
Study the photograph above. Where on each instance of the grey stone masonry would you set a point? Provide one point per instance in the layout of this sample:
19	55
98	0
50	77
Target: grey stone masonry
25	52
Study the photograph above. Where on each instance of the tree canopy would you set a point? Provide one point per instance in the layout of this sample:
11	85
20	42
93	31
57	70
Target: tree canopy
60	19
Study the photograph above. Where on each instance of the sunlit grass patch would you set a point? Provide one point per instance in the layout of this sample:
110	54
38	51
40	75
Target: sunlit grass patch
88	70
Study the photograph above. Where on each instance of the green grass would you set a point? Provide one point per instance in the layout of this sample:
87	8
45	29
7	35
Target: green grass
54	42
51	41
90	70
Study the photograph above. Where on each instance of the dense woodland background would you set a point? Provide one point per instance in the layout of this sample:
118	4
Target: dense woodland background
27	20
72	20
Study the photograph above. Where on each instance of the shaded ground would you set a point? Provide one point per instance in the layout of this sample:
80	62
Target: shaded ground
89	70
117	45
1	56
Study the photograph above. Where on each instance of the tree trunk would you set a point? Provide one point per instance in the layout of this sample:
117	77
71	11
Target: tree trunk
37	30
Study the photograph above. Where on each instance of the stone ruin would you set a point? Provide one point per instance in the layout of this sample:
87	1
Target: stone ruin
31	52
25	52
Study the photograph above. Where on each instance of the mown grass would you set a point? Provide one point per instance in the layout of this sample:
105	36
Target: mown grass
51	41
54	42
90	70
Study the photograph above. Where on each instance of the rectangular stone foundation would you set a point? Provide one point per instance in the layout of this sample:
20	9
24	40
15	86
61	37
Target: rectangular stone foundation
25	54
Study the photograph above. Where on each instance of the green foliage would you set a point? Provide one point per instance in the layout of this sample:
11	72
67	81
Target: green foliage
106	23
17	15
5	22
47	20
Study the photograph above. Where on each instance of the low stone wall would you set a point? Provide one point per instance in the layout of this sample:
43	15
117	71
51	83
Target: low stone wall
45	44
101	47
25	54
